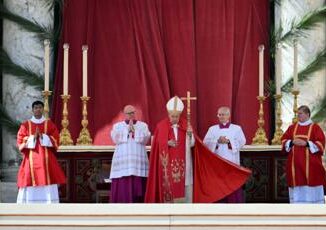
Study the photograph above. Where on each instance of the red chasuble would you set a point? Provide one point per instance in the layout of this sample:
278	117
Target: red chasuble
39	166
214	177
304	167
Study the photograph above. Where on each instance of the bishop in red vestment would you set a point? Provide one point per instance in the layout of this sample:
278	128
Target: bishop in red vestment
175	175
39	173
304	141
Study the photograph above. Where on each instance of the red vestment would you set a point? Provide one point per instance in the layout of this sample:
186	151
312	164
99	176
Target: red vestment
304	167
39	166
214	177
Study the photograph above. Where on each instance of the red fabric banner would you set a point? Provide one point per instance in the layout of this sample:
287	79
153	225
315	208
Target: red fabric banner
144	52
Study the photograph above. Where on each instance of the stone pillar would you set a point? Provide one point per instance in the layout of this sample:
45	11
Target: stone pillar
25	49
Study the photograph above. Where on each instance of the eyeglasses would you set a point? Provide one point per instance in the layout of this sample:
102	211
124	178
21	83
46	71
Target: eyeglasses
130	113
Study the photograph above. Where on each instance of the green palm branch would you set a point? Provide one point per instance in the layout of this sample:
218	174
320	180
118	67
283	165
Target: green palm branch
7	122
41	31
56	6
308	22
275	37
50	4
319	113
23	73
318	63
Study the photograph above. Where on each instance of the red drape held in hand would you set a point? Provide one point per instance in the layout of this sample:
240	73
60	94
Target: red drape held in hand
215	177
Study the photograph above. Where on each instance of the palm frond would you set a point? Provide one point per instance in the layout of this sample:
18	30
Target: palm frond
50	4
300	28
7	122
23	73
275	37
319	113
318	63
54	5
42	32
270	87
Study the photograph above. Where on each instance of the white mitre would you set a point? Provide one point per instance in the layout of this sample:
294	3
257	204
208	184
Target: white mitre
175	105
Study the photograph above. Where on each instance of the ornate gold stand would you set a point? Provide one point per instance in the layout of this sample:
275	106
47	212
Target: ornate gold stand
278	132
295	105
65	137
46	95
260	136
84	135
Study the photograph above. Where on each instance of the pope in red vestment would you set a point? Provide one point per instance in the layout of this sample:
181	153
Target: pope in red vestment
213	178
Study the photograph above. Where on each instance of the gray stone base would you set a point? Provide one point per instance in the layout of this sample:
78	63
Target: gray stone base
8	185
8	192
9	173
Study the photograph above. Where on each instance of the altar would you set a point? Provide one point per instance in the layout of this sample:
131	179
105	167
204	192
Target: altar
86	168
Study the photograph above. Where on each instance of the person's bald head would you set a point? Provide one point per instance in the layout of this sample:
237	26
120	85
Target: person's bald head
129	112
223	114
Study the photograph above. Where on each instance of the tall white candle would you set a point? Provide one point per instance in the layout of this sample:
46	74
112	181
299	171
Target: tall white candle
295	65
85	48
261	70
65	68
46	65
278	68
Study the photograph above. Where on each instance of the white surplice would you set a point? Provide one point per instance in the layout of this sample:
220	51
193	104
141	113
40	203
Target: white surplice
130	156
237	140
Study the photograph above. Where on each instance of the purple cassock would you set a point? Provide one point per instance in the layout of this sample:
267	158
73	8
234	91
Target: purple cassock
129	189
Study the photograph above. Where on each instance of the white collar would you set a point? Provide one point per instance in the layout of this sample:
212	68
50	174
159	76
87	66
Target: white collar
37	121
308	122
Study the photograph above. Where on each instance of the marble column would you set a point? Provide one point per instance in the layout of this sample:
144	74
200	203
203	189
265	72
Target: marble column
25	49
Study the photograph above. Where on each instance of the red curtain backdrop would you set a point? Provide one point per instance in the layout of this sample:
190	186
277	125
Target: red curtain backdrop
143	52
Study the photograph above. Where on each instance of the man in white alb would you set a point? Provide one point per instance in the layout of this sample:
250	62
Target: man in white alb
226	140
129	168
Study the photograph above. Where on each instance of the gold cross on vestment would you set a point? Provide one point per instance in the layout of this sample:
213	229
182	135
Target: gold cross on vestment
188	99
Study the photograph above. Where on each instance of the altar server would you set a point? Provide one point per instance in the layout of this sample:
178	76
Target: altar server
304	141
39	174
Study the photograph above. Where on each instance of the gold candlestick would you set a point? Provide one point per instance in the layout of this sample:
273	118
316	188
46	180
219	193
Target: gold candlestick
46	94
295	105
260	136
278	121
65	137
84	135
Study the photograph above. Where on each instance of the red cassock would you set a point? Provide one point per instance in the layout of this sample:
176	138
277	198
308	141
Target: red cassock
303	167
214	177
39	166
